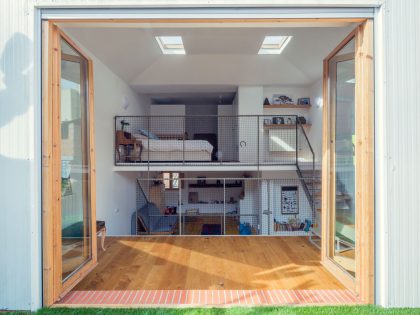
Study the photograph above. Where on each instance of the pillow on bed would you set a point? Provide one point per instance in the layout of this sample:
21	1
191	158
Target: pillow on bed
139	136
148	134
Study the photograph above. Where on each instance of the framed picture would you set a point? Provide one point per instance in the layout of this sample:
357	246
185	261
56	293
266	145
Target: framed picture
290	120
279	99
304	101
289	200
279	120
267	121
193	197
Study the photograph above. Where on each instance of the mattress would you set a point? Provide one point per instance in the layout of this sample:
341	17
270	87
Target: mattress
175	156
176	150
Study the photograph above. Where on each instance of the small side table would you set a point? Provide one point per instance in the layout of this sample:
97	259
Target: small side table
101	231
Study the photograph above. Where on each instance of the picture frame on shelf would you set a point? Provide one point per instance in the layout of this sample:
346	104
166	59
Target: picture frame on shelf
304	101
267	121
280	99
278	120
290	120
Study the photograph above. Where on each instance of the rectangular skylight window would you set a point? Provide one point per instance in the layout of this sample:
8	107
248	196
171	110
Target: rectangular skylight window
274	45
171	45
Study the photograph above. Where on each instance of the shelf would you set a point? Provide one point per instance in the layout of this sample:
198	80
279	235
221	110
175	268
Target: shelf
285	126
215	185
288	106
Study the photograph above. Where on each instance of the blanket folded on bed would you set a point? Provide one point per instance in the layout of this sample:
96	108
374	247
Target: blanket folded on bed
177	145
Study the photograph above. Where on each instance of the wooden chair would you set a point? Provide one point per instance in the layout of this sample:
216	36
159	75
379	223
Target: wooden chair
101	231
124	139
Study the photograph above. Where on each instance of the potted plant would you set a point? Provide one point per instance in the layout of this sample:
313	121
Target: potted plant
123	124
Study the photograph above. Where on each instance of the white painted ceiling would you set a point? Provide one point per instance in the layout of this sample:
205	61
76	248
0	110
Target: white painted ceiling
216	60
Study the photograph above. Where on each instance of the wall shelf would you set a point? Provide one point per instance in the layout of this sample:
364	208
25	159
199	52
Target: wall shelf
284	126
288	106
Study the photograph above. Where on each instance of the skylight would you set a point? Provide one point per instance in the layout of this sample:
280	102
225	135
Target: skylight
274	45
171	45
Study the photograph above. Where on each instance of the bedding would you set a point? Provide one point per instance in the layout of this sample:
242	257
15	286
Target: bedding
174	150
175	156
148	134
177	145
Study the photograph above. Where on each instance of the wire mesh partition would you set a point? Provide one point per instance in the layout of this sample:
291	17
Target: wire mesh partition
221	206
208	140
305	164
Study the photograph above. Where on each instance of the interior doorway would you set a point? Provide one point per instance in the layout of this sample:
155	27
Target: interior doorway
347	246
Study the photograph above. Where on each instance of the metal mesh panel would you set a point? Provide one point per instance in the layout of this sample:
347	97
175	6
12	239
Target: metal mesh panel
279	140
248	140
210	140
156	214
291	211
222	206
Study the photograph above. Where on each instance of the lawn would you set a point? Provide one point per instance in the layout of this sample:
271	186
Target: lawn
339	310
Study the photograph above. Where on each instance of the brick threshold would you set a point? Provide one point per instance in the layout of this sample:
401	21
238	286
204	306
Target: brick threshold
200	298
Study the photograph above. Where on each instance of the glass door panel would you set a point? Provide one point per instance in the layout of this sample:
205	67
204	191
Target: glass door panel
75	195
343	188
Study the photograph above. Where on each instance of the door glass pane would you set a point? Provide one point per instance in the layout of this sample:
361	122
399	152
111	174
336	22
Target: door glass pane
344	214
75	206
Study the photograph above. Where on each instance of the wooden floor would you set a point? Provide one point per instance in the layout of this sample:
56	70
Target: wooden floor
194	225
209	263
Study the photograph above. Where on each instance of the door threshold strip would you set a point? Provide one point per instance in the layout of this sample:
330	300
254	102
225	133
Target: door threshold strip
191	298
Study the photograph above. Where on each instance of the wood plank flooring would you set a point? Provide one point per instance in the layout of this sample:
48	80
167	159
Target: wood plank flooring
208	263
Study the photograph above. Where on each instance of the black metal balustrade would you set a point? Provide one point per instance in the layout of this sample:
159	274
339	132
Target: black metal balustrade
253	140
222	206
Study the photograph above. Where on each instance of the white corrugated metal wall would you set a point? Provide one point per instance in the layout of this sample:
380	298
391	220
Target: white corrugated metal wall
400	198
397	138
19	140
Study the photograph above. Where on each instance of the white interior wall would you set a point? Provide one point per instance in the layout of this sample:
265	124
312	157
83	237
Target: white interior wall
201	124
166	125
250	100
315	118
115	191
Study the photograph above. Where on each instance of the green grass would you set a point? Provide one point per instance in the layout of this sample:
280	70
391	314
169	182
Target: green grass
314	310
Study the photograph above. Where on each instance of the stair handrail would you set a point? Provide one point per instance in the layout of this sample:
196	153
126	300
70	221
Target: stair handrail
311	193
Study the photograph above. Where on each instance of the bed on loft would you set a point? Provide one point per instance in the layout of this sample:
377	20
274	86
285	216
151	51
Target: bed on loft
163	147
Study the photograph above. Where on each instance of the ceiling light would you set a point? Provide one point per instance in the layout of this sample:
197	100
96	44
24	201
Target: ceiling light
274	45
171	45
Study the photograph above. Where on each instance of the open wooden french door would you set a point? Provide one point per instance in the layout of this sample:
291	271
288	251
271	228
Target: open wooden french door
348	162
69	236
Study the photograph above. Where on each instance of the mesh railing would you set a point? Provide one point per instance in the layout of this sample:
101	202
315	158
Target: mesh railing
305	165
209	140
222	206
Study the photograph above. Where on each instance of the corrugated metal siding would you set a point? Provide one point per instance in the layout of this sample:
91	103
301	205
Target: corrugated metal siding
402	54
16	156
207	3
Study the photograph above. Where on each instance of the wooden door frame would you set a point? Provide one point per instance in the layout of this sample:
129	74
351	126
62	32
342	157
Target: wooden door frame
363	283
53	287
364	287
